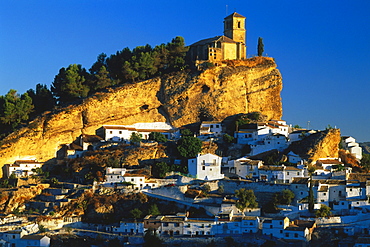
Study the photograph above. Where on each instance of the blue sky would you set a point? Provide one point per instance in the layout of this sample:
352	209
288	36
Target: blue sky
321	47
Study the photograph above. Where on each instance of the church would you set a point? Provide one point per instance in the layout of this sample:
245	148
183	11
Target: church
230	46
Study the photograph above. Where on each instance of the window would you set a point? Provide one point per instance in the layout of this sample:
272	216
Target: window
287	235
210	169
281	223
110	132
165	224
238	24
203	168
324	194
120	132
287	173
211	125
296	235
177	224
132	179
270	226
297	173
281	231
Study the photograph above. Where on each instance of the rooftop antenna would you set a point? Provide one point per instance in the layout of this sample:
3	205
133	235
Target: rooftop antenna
308	125
227	6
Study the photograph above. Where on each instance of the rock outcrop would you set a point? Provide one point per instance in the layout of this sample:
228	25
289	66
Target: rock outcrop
318	145
11	200
180	98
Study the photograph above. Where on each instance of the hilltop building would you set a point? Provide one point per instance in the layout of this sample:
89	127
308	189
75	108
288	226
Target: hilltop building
230	46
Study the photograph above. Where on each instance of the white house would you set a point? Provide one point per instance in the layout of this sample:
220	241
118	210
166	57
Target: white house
293	157
128	227
244	167
210	127
115	176
349	143
298	135
300	230
122	133
34	241
21	168
284	174
258	131
199	227
275	227
22	239
206	167
269	142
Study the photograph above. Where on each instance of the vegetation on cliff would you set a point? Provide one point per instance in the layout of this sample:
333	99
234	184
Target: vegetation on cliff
75	82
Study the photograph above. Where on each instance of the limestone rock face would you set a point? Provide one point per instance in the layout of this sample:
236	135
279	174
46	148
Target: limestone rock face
14	199
179	98
319	145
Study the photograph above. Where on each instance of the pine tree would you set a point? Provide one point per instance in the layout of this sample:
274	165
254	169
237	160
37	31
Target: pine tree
260	47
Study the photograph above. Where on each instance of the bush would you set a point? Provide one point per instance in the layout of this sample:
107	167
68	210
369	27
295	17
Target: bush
228	138
158	137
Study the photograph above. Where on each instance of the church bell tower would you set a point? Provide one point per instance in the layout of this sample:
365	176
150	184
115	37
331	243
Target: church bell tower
234	28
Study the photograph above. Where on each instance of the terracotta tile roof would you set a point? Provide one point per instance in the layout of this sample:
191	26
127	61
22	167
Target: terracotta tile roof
361	177
323	189
222	39
211	122
300	180
279	168
329	162
33	237
26	162
234	15
91	138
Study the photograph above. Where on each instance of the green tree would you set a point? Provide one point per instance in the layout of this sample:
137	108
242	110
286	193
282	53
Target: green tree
14	109
42	99
177	52
311	198
100	80
207	188
324	211
189	146
70	84
151	239
158	137
186	132
260	46
153	210
136	213
365	161
54	181
246	199
135	137
160	169
284	197
221	189
228	138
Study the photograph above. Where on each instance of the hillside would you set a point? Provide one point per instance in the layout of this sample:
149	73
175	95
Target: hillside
180	98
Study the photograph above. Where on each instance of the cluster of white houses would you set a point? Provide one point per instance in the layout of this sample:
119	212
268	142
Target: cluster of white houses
181	225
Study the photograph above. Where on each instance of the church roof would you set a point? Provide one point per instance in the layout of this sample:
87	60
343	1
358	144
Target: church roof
235	15
222	39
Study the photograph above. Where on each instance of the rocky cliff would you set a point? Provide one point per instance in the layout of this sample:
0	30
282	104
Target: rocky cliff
318	145
179	98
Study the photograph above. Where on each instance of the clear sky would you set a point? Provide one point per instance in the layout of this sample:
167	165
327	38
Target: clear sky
321	47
